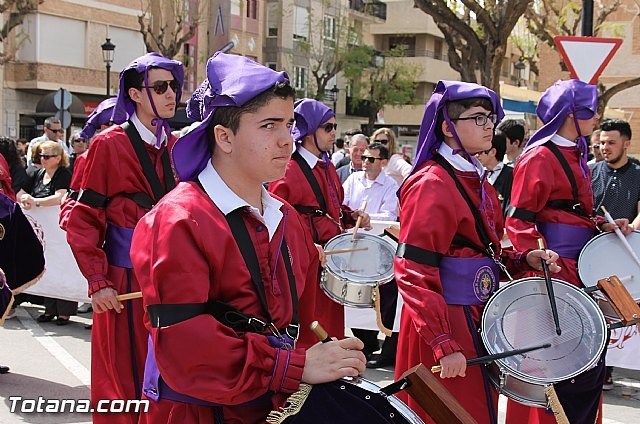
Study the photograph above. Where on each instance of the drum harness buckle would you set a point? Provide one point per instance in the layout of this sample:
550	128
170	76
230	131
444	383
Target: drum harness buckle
492	254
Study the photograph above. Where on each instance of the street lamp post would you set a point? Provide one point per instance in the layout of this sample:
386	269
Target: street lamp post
108	51
519	66
334	92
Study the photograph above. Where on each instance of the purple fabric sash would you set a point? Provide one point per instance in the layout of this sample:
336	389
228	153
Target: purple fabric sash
155	388
117	245
566	240
468	281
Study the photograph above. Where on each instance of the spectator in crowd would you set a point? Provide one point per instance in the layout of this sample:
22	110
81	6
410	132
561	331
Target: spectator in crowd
79	145
52	131
379	190
499	174
397	168
594	147
357	147
516	132
340	152
22	144
49	187
35	161
19	177
348	135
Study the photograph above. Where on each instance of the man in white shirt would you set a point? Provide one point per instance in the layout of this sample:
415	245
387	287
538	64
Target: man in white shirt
379	190
52	129
499	174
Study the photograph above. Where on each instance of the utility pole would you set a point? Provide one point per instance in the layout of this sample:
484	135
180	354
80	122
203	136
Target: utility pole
587	18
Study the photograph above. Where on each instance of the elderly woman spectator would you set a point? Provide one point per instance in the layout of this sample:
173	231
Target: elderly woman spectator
50	184
397	168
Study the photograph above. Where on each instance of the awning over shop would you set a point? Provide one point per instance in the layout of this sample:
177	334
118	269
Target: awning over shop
518	106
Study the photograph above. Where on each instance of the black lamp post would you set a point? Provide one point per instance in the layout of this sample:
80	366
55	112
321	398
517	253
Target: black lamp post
334	96
519	67
108	51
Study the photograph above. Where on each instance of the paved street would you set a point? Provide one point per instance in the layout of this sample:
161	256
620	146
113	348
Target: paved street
54	362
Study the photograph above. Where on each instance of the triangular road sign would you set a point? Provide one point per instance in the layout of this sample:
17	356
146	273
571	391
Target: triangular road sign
586	57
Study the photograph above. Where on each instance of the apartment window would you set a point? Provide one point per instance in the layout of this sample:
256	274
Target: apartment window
272	19
437	50
329	28
272	65
252	9
407	45
300	81
300	23
235	7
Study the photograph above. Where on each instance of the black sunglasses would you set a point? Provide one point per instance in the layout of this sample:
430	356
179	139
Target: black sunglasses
330	127
160	87
47	156
59	131
383	141
371	159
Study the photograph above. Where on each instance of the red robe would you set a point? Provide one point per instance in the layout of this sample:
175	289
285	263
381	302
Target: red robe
195	259
295	189
5	179
538	178
76	181
117	355
432	212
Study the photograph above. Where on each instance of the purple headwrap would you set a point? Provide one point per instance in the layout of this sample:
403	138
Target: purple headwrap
309	114
99	117
559	101
448	91
125	107
231	81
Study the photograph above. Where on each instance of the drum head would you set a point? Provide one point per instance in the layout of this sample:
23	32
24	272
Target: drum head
374	265
519	316
605	255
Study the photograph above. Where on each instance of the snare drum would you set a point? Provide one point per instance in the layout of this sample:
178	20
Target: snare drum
351	279
354	400
604	256
519	315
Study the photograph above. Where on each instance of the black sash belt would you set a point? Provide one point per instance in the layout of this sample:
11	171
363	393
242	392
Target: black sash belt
418	254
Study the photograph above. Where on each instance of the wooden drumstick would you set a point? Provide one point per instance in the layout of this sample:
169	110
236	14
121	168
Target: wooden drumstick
621	236
129	296
320	332
338	251
549	283
490	358
359	221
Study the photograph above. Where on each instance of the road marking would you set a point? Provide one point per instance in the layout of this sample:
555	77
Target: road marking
58	352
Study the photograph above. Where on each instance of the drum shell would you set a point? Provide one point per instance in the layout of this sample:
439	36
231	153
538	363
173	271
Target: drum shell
348	293
529	394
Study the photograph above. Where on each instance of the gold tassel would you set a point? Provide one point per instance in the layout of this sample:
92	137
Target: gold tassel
292	406
554	403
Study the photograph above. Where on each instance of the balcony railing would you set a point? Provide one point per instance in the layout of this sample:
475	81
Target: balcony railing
426	53
370	7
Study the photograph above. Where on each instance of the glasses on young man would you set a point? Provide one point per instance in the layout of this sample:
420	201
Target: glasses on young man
481	120
330	127
161	87
370	159
47	156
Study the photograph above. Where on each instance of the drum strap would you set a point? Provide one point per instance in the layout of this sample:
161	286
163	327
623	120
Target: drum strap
572	206
313	182
418	254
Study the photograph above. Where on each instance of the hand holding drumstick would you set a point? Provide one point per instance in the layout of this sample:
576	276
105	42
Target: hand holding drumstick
363	220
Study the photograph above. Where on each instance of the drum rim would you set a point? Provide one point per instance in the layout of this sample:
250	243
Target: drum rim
537	380
580	256
383	279
512	394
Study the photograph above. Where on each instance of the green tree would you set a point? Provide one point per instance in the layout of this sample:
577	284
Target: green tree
13	12
477	34
380	79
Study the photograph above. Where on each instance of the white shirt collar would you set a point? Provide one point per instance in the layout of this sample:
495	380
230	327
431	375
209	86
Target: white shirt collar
228	201
460	163
561	141
309	157
147	135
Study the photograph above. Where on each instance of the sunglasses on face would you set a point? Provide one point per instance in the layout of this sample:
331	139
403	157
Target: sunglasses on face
160	87
79	140
330	127
47	156
59	131
382	141
481	120
370	159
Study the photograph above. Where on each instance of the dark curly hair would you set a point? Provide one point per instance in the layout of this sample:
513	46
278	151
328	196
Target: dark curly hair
9	150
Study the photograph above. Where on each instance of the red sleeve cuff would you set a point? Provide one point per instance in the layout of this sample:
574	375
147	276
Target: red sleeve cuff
287	373
443	346
98	283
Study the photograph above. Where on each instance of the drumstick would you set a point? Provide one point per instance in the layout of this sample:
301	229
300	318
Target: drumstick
359	221
129	296
549	283
621	236
320	332
337	251
490	358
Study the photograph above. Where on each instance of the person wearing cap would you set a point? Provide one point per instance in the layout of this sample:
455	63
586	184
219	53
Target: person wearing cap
227	283
548	202
446	265
126	172
311	184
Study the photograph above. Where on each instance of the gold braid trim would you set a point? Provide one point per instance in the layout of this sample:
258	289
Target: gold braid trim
292	406
554	403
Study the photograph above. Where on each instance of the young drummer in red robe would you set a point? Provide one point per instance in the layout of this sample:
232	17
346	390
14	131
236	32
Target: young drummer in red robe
545	204
447	264
227	269
127	170
324	214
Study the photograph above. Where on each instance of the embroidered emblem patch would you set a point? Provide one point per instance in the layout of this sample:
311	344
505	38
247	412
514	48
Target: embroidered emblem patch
484	284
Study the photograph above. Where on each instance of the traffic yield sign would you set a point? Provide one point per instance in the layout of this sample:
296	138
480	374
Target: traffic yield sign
586	57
